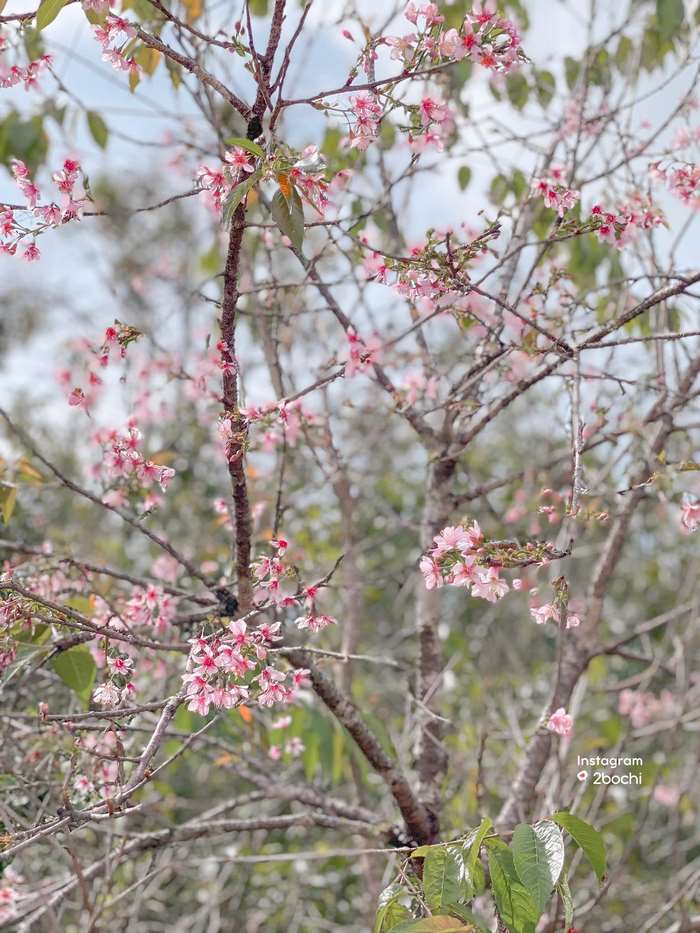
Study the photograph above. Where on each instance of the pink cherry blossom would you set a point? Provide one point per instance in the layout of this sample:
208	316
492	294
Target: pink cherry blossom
561	723
690	516
489	585
542	614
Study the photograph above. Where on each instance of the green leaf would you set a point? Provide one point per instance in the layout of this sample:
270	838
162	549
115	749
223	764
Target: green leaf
464	176
499	189
98	128
95	18
517	90
515	905
518	184
421	851
564	892
475	845
572	69
443	873
246	144
436	924
211	261
545	86
599	69
586	838
478	924
669	15
623	52
36	635
389	911
33	43
47	12
175	72
77	670
290	220
538	857
237	195
8	498
550	836
258	7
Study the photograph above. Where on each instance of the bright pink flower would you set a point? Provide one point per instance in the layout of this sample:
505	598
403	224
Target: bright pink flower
78	399
300	677
31	253
239	159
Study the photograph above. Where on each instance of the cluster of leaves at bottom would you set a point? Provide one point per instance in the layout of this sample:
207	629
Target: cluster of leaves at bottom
523	878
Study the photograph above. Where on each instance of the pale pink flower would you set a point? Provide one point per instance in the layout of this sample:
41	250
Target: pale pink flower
690	516
561	723
431	573
449	539
489	585
294	746
542	614
106	695
314	623
667	796
199	704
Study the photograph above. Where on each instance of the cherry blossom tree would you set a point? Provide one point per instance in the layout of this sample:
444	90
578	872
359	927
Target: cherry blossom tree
348	575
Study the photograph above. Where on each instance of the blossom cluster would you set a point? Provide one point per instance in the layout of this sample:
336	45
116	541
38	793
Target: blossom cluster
435	273
682	180
436	122
116	338
555	192
622	226
361	354
35	218
225	670
114	36
125	470
643	706
99	750
618	227
484	37
365	114
455	559
275	584
306	175
217	668
219	182
27	75
151	606
462	556
283	422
